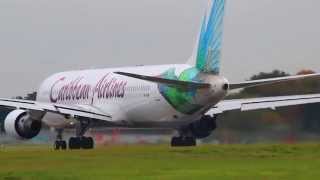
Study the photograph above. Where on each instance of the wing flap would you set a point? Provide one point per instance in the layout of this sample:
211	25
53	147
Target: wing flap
279	103
271	81
264	103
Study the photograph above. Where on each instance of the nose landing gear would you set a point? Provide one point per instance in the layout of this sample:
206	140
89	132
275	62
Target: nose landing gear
60	144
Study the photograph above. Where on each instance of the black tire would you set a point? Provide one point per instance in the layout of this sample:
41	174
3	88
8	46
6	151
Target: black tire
91	142
57	145
176	142
190	141
87	143
63	145
74	143
183	142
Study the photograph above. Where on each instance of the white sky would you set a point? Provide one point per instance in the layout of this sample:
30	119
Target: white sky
40	37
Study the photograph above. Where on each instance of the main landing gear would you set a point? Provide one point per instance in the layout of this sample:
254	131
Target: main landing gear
197	130
78	142
81	143
185	139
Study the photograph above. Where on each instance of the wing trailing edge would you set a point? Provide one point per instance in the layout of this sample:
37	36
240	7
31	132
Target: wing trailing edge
264	103
261	82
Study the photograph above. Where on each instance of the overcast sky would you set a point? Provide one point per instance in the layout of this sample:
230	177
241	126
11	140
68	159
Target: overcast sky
40	37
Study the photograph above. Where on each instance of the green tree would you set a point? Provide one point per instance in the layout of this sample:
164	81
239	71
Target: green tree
31	96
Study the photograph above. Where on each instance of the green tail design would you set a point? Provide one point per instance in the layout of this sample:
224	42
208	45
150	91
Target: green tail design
210	40
207	61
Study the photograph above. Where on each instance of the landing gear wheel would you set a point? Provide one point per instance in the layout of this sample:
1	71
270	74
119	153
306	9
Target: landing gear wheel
183	141
190	141
63	145
81	143
87	143
75	143
59	144
56	145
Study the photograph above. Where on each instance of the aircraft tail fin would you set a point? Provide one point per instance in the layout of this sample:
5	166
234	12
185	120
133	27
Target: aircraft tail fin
207	51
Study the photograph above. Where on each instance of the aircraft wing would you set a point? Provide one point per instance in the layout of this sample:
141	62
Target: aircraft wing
84	111
263	103
260	82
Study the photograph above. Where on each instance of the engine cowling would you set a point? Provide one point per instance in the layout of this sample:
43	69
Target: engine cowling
204	127
20	125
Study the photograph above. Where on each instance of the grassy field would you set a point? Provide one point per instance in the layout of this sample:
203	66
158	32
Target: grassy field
262	162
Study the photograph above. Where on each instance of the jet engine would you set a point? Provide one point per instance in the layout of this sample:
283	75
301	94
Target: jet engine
19	124
204	127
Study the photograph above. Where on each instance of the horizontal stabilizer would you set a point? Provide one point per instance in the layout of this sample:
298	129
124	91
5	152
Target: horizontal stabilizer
169	82
271	81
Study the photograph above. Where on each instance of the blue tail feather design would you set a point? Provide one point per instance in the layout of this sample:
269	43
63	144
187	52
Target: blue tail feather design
210	40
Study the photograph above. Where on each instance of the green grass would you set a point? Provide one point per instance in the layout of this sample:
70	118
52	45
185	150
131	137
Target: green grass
262	162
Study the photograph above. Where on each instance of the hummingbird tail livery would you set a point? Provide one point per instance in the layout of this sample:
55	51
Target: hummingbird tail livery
185	97
209	44
207	52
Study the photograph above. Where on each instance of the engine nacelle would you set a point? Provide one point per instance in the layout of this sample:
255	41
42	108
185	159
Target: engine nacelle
20	125
204	127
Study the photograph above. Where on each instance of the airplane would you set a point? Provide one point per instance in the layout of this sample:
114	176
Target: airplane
185	97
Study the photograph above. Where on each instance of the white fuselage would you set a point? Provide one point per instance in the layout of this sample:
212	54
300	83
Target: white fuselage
128	100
